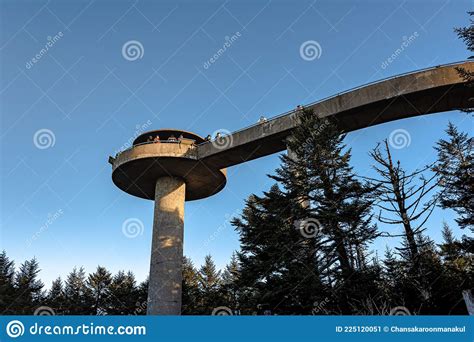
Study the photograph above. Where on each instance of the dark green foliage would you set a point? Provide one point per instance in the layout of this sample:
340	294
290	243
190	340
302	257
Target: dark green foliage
436	288
99	285
210	284
319	172
455	168
78	295
7	288
141	298
56	299
190	289
230	286
466	34
122	294
98	294
28	288
274	257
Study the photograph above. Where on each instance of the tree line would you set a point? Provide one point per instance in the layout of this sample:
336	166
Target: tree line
99	293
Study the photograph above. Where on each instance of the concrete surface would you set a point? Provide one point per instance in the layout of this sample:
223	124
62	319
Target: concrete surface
135	170
164	290
423	92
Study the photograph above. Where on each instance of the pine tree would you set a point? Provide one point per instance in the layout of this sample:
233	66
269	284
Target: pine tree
99	285
457	272
78	295
190	289
466	34
7	289
392	273
450	248
28	288
56	298
142	298
339	203
230	280
209	284
455	168
278	264
123	294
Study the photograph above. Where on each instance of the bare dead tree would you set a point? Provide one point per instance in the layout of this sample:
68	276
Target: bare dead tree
403	200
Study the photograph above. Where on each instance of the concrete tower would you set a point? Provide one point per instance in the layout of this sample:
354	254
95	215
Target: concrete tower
167	171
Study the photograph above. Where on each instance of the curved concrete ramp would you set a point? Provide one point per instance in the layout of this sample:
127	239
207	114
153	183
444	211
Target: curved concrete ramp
427	91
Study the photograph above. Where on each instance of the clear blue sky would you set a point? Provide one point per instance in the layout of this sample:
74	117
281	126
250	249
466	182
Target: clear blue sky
93	99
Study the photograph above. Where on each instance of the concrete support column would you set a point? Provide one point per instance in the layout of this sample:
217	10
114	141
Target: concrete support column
164	290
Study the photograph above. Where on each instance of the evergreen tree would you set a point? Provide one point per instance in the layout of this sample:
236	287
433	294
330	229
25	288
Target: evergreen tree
56	298
209	284
392	273
338	202
28	288
308	244
230	280
7	289
123	294
99	285
450	249
279	266
455	168
466	34
78	295
190	288
142	298
457	274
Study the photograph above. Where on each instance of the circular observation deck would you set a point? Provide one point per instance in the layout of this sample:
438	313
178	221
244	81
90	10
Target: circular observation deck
165	153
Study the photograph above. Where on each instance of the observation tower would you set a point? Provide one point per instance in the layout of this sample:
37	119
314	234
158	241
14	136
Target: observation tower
163	166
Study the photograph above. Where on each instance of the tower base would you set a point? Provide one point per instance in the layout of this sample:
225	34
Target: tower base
164	289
